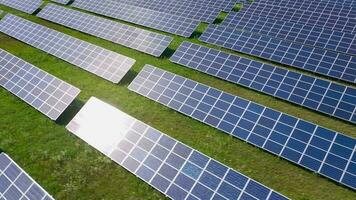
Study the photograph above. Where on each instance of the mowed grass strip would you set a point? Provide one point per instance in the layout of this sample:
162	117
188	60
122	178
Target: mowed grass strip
70	169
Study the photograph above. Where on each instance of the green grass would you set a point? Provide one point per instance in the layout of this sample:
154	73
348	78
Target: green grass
70	169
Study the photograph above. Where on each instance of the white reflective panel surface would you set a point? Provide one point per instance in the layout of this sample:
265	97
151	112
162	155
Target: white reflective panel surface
100	125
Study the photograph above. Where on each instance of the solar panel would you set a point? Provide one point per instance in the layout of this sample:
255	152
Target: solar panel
320	61
192	10
314	6
16	184
166	22
350	3
139	39
41	90
27	6
317	94
305	34
339	23
176	170
323	151
61	1
97	60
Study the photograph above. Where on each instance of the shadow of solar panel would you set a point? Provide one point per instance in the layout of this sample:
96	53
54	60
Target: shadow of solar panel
139	39
323	151
320	61
46	93
27	6
317	94
305	34
187	9
176	170
104	63
314	6
166	22
61	1
16	184
333	22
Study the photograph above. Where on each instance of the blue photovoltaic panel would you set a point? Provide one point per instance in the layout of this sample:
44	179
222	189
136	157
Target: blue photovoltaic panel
61	1
27	6
339	23
321	61
163	21
97	60
305	34
321	150
46	93
16	184
176	170
139	39
192	10
317	94
314	6
349	3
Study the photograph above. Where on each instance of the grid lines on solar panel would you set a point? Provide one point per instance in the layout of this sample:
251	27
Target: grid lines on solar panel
27	6
305	34
16	184
317	94
176	170
339	23
44	92
139	39
97	60
315	6
190	10
320	61
61	1
323	151
166	22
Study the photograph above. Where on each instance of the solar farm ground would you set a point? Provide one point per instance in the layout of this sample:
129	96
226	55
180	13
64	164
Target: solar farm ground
68	168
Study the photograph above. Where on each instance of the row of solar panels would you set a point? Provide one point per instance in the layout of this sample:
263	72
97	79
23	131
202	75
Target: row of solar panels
177	17
332	161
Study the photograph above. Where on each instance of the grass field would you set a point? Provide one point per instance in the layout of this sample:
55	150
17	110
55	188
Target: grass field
70	169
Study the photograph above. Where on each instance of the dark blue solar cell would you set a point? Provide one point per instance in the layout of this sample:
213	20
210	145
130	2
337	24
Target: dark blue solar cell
229	191
236	179
310	163
331	172
341	151
216	168
160	183
209	180
176	193
336	161
346	141
167	172
257	190
192	170
202	192
184	181
350	180
291	155
145	173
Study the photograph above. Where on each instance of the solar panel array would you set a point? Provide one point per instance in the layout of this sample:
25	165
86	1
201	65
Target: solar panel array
168	165
163	21
145	41
314	6
104	63
44	92
350	3
339	23
323	151
62	1
192	10
321	61
317	94
16	184
27	6
305	34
